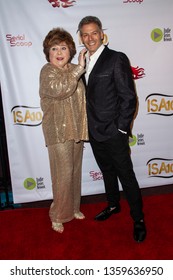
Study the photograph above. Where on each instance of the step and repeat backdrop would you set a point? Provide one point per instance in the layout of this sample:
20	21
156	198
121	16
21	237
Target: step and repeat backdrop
140	28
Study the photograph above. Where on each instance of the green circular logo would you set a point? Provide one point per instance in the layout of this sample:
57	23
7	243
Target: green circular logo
157	35
132	140
29	184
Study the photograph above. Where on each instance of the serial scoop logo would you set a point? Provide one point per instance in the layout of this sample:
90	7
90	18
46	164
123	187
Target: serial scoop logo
138	72
96	175
27	116
160	104
133	1
18	40
157	34
61	3
160	167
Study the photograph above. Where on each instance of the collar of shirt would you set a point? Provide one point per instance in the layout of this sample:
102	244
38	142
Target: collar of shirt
91	60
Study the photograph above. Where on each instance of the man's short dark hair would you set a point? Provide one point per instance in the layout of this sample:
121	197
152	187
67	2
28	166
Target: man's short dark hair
89	19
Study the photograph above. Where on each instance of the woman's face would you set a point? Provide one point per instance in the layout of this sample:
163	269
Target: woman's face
59	55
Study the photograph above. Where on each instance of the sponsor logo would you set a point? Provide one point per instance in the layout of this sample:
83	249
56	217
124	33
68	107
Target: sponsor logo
27	116
160	104
157	34
140	139
61	3
137	140
133	1
160	167
40	183
96	175
138	72
18	41
132	140
30	183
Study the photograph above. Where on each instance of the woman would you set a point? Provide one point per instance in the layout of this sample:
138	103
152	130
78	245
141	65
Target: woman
64	124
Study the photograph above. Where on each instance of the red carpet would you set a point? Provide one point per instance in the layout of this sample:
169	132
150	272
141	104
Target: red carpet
27	234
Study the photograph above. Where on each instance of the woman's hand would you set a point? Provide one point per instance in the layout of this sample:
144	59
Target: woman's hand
81	57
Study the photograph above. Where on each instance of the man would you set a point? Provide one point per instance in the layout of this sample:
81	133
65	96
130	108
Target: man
111	104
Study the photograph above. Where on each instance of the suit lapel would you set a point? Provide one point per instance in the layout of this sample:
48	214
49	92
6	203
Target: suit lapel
98	64
83	79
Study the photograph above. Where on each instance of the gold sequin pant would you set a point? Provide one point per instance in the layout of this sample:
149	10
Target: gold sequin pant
66	168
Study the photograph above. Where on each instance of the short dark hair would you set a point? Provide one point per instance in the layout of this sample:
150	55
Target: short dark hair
56	36
89	19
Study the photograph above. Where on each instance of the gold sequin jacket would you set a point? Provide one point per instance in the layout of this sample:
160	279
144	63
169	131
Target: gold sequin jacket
63	103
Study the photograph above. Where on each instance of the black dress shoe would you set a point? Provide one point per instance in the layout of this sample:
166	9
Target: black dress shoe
139	231
106	213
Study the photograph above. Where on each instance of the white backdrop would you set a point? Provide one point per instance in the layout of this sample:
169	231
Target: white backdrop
140	28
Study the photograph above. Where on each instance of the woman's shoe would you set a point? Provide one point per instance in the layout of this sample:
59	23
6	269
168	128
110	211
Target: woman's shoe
58	227
79	216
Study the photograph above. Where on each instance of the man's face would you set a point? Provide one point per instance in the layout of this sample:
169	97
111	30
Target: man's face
92	37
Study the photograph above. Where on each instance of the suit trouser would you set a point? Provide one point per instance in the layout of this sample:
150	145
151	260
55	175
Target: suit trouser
65	167
114	161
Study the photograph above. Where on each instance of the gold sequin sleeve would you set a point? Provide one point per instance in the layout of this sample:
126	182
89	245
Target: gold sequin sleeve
63	104
58	83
